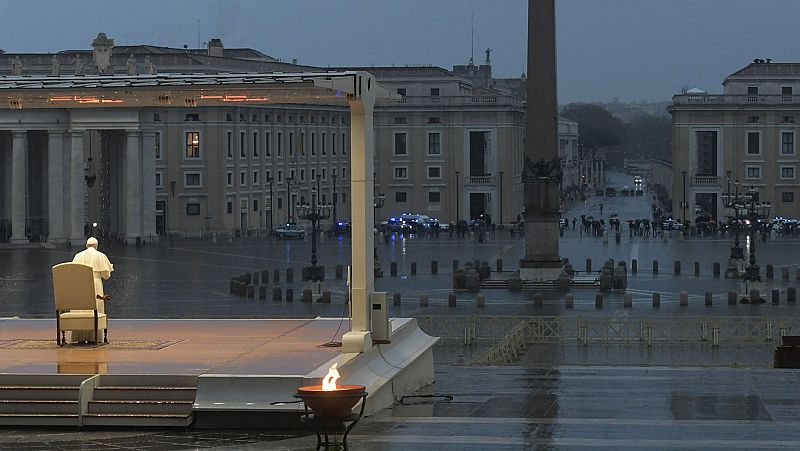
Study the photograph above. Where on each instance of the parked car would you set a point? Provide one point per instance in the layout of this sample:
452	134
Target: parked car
639	192
342	227
611	191
290	231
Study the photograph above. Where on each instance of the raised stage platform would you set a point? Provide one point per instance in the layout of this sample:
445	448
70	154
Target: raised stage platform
206	372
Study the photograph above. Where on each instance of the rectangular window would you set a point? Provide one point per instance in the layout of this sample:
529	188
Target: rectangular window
280	144
706	142
400	143
786	90
302	144
255	202
787	172
753	143
267	147
267	118
434	172
280	176
434	197
193	209
291	174
158	180
401	173
228	117
344	143
344	173
156	117
400	197
324	174
242	178
255	144
323	144
313	143
192	180
333	143
752	90
192	144
158	146
302	175
434	144
401	91
230	207
291	144
255	178
787	196
193	117
229	147
788	119
754	172
242	152
229	178
434	92
255	118
313	174
433	120
787	143
344	198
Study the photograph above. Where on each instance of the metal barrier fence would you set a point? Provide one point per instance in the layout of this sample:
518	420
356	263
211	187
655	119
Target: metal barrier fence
714	330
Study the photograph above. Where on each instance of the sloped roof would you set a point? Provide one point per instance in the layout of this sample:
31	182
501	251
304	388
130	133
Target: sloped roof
401	71
768	70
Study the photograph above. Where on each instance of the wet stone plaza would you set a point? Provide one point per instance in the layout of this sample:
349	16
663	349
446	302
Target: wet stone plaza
556	394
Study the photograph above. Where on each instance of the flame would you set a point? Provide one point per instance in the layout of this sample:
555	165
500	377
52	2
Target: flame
329	382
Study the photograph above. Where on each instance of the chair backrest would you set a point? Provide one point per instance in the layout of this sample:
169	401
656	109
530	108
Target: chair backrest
73	287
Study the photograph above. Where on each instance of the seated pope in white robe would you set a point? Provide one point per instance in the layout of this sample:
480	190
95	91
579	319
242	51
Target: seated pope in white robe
102	269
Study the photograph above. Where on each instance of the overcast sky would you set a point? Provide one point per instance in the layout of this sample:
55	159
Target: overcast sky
630	49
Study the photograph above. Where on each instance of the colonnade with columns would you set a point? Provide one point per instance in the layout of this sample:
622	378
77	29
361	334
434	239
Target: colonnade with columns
42	167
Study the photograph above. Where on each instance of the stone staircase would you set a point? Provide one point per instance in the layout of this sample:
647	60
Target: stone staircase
40	400
99	400
528	285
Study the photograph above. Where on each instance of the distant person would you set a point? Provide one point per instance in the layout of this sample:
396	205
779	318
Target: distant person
601	208
102	269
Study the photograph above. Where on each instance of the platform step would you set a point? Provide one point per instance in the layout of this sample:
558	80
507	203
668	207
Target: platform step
531	285
38	392
29	419
148	393
141	407
39	406
138	420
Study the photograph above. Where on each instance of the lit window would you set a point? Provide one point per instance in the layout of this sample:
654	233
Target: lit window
192	144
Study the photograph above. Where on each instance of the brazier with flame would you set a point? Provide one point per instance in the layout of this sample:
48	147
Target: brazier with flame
330	400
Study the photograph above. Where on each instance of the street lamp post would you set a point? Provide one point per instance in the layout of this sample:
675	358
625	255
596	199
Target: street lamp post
458	193
377	203
335	198
271	181
314	213
501	199
288	200
684	198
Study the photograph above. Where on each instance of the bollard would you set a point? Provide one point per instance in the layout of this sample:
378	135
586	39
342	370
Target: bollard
396	299
276	276
326	297
684	299
785	273
339	272
480	301
393	269
627	300
709	298
455	265
677	267
514	283
289	275
451	300
791	295
413	268
277	294
634	266
656	299
770	272
569	301
776	297
290	295
434	267
655	267
598	300
262	292
755	296
716	269
255	278
499	265
423	300
251	291
588	265
697	269
306	295
731	297
538	300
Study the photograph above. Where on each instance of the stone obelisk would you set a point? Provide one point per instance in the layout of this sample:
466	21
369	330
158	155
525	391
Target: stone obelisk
542	171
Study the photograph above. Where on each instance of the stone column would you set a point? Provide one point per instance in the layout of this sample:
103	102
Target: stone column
19	184
362	191
133	186
77	189
149	184
55	186
541	174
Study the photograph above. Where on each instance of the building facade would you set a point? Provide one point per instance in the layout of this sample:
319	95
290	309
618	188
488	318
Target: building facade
741	139
443	148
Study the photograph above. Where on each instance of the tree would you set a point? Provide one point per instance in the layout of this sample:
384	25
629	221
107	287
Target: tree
597	127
